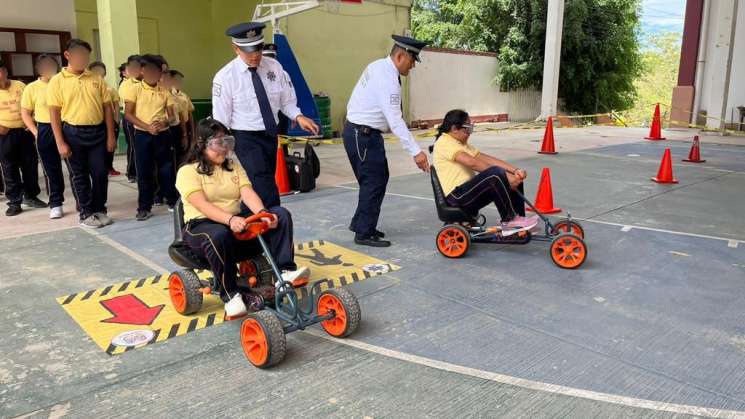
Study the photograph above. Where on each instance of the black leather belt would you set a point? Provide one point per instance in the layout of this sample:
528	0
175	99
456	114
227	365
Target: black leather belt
364	129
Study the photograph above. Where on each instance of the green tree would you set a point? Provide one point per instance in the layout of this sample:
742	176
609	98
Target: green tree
660	59
600	56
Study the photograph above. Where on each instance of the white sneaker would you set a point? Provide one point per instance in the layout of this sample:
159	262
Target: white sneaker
301	273
104	219
55	213
235	307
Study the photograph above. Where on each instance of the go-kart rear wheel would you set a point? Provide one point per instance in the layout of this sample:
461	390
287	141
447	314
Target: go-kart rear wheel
453	241
566	226
568	251
263	339
184	287
346	308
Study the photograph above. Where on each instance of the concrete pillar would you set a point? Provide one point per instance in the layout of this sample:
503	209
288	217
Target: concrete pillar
552	58
723	45
117	29
683	93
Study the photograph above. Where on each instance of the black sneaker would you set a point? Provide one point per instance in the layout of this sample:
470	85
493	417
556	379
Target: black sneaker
13	210
254	302
131	180
372	241
34	203
143	215
377	233
158	202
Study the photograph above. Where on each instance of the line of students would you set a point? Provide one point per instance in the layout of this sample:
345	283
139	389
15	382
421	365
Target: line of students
72	116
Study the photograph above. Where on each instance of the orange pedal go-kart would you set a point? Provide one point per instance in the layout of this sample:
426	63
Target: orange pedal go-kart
263	332
567	248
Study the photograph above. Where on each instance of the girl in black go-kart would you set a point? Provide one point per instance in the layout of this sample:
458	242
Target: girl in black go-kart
212	188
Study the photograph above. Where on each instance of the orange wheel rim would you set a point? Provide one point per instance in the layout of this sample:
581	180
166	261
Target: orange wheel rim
452	242
568	252
338	324
177	293
254	343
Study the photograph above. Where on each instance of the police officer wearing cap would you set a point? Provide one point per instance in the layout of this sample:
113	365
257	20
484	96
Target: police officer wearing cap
375	107
247	94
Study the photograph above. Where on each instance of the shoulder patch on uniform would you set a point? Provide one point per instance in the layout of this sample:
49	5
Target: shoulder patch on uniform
271	76
395	99
216	89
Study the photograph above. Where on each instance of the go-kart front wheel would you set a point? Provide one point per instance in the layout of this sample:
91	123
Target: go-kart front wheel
184	288
453	241
263	339
568	251
346	309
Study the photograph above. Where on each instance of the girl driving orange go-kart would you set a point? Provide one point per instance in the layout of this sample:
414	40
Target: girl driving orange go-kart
212	188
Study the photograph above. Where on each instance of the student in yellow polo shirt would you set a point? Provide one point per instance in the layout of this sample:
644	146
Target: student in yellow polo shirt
213	187
186	114
472	180
132	78
35	114
150	108
17	151
99	68
179	130
84	130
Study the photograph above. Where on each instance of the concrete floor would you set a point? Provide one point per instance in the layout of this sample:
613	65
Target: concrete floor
650	326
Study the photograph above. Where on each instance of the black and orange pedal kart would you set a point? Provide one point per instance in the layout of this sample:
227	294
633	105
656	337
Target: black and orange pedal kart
567	247
262	333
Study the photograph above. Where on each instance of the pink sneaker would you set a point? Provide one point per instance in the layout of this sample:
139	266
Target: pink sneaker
523	222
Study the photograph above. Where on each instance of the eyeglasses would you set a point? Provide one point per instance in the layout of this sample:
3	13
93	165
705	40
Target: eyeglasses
468	128
222	144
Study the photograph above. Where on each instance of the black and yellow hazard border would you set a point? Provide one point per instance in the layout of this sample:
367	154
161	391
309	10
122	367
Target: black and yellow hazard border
144	304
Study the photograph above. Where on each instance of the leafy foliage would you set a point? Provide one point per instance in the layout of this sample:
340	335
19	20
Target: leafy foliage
600	56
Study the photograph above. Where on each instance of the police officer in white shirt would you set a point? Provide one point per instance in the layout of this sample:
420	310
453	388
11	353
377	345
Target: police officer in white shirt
247	94
375	107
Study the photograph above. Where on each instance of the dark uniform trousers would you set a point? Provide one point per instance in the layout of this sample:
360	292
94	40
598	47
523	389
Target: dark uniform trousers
87	166
129	137
257	153
19	164
489	186
154	151
110	154
179	151
51	163
366	151
216	243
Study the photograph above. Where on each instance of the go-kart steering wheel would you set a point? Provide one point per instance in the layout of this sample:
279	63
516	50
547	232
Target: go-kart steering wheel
255	226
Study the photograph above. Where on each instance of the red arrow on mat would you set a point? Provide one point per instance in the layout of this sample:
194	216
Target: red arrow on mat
128	309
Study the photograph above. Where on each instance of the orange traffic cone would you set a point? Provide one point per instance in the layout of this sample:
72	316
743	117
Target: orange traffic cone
281	178
694	156
655	131
548	138
544	199
665	174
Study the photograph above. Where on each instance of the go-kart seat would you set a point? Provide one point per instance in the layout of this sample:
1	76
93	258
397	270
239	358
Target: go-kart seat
445	212
179	251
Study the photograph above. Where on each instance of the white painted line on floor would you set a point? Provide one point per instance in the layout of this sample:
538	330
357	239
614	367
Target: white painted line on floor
658	230
674	253
533	385
127	251
732	244
626	229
